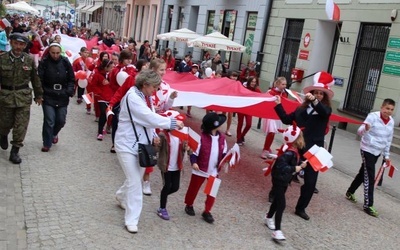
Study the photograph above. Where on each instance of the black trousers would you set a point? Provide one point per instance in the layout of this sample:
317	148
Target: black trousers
307	190
366	175
114	123
103	117
171	181
278	205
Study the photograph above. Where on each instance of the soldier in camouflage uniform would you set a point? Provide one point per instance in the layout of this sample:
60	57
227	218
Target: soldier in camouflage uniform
17	69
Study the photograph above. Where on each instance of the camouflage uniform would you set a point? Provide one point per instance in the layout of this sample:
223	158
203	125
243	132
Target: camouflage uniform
16	95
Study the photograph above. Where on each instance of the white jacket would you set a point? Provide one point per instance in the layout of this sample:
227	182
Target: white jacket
379	137
142	116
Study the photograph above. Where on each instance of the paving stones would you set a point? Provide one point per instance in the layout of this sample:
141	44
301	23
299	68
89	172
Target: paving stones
64	199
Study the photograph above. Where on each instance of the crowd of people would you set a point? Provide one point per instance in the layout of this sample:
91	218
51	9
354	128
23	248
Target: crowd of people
132	103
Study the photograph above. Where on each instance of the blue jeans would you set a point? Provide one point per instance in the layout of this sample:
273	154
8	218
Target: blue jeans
53	121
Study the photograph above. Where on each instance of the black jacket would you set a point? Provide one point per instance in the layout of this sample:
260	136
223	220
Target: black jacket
53	72
314	126
284	167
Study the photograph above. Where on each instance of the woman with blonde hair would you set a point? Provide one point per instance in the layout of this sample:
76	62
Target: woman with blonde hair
271	126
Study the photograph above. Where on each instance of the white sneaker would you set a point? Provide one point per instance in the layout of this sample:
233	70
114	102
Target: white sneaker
146	188
265	154
132	229
278	235
269	222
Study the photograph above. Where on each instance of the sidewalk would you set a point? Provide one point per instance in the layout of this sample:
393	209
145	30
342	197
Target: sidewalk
64	199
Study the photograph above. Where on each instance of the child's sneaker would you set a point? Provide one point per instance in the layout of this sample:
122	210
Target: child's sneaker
100	137
162	213
265	154
351	197
278	235
269	222
88	111
371	211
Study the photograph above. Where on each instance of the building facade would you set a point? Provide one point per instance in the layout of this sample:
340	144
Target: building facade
239	20
101	14
362	50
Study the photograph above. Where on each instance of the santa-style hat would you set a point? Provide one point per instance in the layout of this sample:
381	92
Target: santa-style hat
289	135
322	81
4	23
174	114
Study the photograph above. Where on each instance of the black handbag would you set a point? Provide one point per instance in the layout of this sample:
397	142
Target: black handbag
146	152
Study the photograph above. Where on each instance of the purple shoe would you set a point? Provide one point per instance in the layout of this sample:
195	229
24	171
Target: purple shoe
162	213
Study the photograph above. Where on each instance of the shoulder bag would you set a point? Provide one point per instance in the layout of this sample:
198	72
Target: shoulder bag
146	152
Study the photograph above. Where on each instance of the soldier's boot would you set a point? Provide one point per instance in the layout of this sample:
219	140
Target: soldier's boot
14	156
4	142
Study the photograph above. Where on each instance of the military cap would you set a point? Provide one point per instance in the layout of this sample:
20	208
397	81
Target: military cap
19	37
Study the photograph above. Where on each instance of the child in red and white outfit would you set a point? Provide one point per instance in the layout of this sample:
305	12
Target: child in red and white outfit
270	126
170	162
103	92
205	160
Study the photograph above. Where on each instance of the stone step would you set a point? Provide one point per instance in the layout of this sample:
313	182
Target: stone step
396	139
396	131
395	148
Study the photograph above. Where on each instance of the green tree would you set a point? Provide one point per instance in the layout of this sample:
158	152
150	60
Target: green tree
2	10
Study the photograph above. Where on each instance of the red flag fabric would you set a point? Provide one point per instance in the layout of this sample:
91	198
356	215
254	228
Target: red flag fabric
212	186
332	10
224	94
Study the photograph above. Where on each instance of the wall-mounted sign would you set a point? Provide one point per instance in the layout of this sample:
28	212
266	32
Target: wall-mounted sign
391	69
394	42
307	40
339	81
303	55
392	56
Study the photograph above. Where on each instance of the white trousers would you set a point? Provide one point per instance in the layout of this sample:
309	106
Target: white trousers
130	193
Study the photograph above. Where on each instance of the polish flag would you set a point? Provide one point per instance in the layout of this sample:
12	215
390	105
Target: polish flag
193	140
88	98
295	95
391	171
332	10
212	186
227	95
231	158
189	135
319	158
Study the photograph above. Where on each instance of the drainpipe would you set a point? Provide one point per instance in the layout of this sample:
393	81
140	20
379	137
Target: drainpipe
260	53
161	17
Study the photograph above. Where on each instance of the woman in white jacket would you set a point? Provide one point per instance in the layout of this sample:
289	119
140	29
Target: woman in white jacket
139	100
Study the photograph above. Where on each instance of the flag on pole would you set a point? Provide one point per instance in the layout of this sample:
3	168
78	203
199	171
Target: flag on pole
88	98
391	171
332	10
319	158
189	135
295	95
194	139
212	186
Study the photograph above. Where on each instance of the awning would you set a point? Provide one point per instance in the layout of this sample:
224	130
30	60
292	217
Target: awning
95	7
84	10
80	7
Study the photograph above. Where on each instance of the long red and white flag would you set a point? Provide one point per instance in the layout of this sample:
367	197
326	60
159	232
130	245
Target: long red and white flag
226	95
212	186
332	10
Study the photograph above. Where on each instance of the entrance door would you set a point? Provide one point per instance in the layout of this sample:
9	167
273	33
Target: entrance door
366	68
289	48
